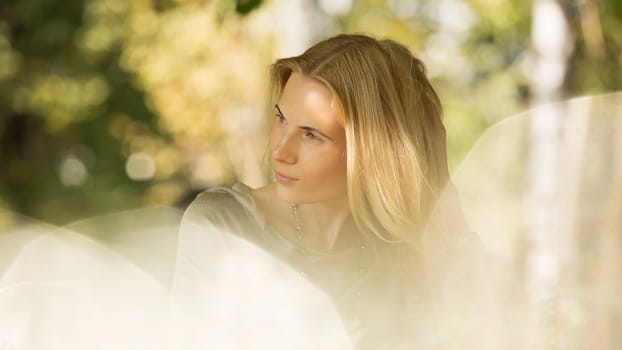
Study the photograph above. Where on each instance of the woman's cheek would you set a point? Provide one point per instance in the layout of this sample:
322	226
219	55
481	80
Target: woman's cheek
275	135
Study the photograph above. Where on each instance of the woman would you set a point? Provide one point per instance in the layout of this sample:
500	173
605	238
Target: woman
359	160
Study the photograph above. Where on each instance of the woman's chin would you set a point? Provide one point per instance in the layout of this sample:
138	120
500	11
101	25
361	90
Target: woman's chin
287	194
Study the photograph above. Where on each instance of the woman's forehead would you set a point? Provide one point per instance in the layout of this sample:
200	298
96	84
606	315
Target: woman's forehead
309	99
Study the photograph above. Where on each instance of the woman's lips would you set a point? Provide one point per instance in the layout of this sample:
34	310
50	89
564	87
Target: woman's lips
284	179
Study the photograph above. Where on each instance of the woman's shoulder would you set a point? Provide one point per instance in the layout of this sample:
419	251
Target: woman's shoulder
226	209
235	193
221	204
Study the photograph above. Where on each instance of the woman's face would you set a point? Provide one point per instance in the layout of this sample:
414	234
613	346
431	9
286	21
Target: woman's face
308	143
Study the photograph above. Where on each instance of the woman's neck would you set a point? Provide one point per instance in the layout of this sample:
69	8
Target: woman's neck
324	226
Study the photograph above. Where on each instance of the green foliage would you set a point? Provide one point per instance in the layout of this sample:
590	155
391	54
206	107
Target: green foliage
86	84
245	6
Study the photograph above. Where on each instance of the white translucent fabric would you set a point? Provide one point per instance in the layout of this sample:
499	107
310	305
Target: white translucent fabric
543	190
109	287
230	294
89	289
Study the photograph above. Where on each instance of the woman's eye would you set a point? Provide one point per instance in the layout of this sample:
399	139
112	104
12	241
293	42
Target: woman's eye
312	136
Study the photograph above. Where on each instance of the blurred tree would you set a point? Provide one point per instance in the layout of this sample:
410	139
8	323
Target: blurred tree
108	104
54	106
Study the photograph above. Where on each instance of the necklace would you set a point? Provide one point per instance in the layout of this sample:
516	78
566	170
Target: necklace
294	209
362	248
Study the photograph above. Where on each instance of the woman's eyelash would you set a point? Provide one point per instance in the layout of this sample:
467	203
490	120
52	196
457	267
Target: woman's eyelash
312	135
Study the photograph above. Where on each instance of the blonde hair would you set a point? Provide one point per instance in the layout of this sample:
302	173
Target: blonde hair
396	155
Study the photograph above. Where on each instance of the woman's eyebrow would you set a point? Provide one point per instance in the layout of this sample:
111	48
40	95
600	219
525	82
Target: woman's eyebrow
306	128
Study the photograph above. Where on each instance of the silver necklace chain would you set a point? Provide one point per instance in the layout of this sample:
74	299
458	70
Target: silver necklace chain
362	270
294	209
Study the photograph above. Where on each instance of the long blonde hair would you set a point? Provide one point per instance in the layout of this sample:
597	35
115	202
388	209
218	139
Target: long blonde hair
396	155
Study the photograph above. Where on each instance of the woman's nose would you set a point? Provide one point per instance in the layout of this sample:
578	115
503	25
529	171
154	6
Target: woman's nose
284	150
